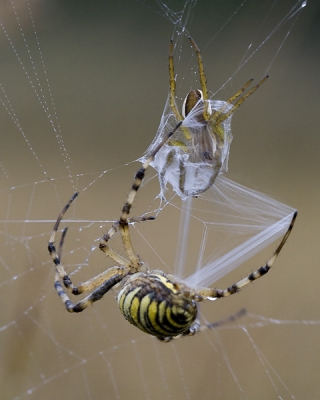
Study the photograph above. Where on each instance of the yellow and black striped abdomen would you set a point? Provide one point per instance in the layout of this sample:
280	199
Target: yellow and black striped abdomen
155	305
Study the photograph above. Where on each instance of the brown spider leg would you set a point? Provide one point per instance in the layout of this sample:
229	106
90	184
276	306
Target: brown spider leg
123	223
217	113
203	82
239	92
223	117
172	83
172	98
203	79
217	293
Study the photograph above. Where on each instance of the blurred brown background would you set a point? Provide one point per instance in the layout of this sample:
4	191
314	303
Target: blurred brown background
107	67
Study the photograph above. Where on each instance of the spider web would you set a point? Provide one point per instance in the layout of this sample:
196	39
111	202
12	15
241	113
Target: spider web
82	92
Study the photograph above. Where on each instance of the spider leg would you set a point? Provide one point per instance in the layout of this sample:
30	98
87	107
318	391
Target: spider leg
172	98
124	220
111	253
63	235
239	92
197	327
94	296
224	321
182	173
217	293
194	328
103	282
223	117
217	113
56	255
203	79
60	216
106	280
172	83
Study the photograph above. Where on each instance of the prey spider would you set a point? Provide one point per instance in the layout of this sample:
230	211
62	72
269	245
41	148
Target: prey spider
157	303
199	152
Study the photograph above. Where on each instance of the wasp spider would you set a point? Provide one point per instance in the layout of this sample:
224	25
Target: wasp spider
157	303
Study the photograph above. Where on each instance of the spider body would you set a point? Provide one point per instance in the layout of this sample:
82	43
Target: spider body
199	152
157	303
